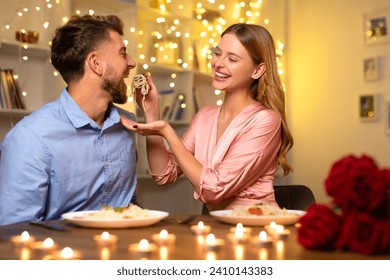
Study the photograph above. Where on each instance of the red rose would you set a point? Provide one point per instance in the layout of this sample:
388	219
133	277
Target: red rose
356	183
319	228
364	234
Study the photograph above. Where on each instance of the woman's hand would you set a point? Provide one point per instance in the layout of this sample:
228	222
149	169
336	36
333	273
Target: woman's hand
152	128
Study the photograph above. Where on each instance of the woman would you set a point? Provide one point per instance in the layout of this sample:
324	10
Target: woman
229	153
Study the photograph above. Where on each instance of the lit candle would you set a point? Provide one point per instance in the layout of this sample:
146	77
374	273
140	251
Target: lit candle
200	228
271	228
66	253
240	227
281	232
105	239
212	243
22	240
164	238
143	248
263	240
239	235
45	246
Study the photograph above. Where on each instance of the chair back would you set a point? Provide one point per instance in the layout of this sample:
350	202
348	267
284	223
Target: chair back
295	197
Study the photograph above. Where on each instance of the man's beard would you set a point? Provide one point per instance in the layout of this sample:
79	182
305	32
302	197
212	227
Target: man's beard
116	90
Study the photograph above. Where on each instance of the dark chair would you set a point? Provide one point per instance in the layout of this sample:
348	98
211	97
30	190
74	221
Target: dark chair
296	197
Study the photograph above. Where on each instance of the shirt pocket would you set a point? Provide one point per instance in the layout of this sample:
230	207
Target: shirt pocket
128	166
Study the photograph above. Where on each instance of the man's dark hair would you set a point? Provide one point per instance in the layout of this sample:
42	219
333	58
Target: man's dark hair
76	39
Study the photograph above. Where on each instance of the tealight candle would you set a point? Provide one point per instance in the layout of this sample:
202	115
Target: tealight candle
240	227
212	243
105	239
66	253
239	235
143	248
271	228
47	245
22	240
281	232
164	238
263	240
200	228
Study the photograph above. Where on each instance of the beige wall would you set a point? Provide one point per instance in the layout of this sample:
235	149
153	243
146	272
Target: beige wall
325	49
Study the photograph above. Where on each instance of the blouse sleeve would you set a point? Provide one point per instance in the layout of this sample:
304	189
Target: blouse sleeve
250	154
172	170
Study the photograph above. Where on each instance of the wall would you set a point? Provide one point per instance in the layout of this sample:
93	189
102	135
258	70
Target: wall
324	51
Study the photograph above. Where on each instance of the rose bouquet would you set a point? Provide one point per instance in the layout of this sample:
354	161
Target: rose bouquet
359	216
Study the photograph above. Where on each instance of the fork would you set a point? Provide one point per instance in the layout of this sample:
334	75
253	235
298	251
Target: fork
188	219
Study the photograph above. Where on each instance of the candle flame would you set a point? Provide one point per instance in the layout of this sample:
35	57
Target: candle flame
163	234
48	243
210	239
67	253
279	228
143	244
201	225
272	225
25	236
239	230
105	235
263	235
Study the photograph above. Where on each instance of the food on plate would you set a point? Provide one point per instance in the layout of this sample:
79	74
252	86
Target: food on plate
109	213
260	210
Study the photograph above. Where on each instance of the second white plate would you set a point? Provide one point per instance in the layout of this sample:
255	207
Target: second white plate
227	217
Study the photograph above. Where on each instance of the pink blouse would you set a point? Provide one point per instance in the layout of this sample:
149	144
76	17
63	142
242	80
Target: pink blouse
239	169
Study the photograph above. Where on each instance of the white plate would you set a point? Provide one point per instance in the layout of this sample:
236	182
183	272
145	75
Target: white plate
227	217
78	218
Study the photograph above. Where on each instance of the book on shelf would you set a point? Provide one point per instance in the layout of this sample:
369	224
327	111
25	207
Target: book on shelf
179	107
10	91
167	99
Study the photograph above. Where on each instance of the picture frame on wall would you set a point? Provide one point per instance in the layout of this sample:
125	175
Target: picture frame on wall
377	27
371	71
368	107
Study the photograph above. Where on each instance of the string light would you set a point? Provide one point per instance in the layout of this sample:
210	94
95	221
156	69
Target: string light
170	33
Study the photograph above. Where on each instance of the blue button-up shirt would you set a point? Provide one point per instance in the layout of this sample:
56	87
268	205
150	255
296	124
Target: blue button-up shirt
58	160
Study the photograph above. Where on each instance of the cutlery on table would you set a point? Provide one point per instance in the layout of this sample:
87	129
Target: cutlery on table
186	220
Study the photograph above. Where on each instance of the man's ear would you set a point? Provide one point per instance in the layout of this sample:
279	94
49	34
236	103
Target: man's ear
259	71
94	63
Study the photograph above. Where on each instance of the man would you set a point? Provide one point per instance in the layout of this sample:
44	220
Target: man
73	154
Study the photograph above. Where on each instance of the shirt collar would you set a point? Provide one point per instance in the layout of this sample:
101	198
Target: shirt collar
80	119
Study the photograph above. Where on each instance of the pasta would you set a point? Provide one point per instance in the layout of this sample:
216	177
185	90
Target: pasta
260	210
111	213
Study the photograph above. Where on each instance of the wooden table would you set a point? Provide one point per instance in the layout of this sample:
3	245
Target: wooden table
187	246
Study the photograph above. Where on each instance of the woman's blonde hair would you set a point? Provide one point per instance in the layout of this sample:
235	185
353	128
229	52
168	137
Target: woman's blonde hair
268	89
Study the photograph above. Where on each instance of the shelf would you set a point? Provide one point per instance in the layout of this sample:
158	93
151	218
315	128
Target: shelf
14	48
162	68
